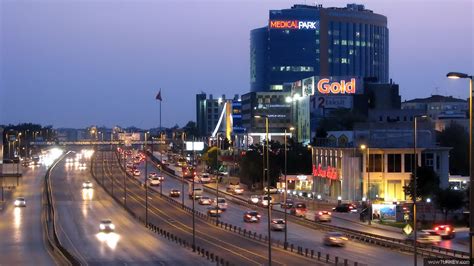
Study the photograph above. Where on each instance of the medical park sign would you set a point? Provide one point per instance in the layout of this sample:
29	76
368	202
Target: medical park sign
294	25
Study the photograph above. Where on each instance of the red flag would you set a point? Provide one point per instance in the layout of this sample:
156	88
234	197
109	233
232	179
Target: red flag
158	96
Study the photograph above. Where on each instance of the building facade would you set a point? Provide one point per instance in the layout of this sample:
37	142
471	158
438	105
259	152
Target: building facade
209	111
306	41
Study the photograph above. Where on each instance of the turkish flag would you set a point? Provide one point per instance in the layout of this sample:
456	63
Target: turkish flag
158	96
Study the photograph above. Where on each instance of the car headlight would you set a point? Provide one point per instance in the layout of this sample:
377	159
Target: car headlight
17	202
112	226
102	227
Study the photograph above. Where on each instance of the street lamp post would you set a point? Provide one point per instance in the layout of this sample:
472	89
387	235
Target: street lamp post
415	166
286	191
366	147
267	167
457	75
146	182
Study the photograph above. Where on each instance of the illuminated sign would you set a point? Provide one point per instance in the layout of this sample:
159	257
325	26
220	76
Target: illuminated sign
302	177
294	25
342	87
330	172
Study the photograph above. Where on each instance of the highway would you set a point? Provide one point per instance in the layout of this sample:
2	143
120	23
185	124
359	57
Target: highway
237	249
21	232
297	234
80	212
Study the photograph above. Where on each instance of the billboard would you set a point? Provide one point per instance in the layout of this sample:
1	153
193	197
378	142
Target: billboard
237	127
194	145
294	24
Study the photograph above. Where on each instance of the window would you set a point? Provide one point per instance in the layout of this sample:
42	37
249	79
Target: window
394	163
375	163
408	163
437	161
344	42
427	159
351	51
343	60
336	42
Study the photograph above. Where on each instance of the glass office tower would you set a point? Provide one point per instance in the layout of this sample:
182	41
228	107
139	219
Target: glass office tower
306	41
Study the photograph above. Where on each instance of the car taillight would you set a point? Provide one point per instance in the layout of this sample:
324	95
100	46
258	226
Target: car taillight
329	213
448	229
248	215
436	228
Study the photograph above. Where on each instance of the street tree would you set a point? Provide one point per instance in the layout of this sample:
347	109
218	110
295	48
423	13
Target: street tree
427	183
448	200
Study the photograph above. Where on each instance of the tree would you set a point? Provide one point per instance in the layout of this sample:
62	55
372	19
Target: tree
456	136
191	130
427	183
210	157
449	200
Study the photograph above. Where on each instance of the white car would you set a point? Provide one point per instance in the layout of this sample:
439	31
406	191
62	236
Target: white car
136	173
425	237
205	200
152	174
154	181
254	199
205	178
106	225
20	202
272	190
221	203
238	191
87	184
264	201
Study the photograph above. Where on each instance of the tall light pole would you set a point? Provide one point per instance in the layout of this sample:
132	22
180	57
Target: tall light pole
457	75
267	167
286	191
146	182
366	147
415	166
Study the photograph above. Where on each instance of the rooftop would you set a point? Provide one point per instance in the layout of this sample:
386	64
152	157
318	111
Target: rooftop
435	99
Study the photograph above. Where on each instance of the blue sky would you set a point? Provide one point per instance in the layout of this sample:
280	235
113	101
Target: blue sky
76	63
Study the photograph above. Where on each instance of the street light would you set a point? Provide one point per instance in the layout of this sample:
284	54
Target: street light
415	165
146	181
268	191
457	75
366	147
286	189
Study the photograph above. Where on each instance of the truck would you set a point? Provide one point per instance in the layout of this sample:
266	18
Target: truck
197	192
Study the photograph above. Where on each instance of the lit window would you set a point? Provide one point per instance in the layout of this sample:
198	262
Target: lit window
274	88
344	42
357	34
282	68
330	51
329	60
336	42
357	43
351	51
350	42
362	44
329	32
343	60
317	51
317	41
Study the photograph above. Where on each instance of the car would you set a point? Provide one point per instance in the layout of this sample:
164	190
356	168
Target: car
152	174
288	204
221	202
175	193
299	209
272	190
20	202
87	184
254	199
445	231
161	178
264	201
345	207
106	226
252	217
136	172
277	225
425	237
334	239
238	191
154	181
204	200
205	178
318	216
214	211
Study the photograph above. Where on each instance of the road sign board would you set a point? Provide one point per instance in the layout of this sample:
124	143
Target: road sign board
407	229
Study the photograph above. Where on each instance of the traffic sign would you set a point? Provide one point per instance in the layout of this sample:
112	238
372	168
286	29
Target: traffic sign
407	229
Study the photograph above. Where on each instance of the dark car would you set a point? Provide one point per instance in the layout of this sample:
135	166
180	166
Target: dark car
288	204
252	217
175	193
345	207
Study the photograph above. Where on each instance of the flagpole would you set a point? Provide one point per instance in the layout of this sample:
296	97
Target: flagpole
161	152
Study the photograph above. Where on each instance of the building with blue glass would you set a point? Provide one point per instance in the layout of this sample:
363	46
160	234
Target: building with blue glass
306	41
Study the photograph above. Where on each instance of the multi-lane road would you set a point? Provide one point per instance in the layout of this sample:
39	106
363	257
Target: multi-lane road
21	232
235	248
79	212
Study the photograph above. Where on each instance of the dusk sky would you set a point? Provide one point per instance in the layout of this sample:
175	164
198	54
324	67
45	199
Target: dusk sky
78	63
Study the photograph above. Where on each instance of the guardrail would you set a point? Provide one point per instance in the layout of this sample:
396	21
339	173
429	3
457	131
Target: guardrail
48	217
207	254
384	241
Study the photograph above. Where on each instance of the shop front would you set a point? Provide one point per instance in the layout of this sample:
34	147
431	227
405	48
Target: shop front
327	182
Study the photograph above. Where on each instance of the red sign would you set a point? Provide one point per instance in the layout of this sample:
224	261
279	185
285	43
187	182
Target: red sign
330	172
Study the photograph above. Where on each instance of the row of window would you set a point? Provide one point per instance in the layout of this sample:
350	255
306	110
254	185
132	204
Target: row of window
357	43
293	68
394	162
